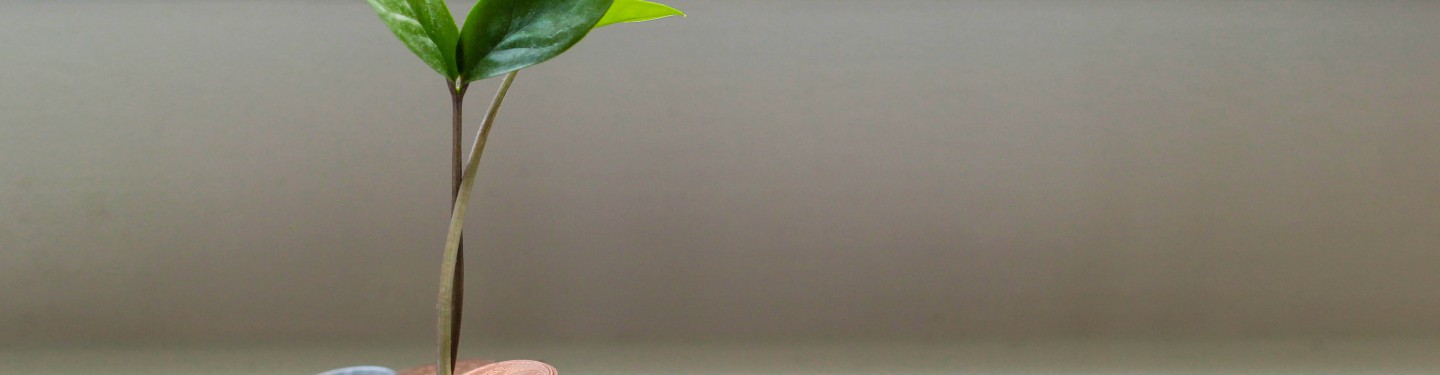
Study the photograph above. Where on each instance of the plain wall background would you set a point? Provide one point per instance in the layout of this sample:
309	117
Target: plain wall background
762	169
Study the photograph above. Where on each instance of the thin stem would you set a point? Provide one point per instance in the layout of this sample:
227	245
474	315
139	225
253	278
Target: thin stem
457	295
457	97
448	321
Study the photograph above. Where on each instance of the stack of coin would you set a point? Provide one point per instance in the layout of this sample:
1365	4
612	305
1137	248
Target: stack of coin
519	367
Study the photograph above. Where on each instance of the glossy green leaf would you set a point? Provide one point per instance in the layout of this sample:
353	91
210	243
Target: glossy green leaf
435	17
636	11
502	36
405	23
484	27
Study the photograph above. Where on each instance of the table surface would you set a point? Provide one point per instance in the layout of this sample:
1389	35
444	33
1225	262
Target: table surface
1308	356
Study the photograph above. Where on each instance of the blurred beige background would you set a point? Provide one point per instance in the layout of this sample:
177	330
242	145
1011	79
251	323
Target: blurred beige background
229	171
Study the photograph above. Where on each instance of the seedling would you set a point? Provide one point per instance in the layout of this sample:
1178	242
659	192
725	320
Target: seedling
499	37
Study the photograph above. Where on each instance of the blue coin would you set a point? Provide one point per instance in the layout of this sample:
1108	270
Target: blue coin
360	370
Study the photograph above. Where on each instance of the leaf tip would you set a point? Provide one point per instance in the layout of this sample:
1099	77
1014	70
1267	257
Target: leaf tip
631	11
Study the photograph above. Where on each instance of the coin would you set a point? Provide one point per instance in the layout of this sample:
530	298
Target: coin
515	367
360	370
461	367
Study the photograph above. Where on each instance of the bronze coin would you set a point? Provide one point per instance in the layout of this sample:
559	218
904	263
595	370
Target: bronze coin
461	367
515	367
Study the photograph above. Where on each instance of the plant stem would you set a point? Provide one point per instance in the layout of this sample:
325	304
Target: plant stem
457	97
457	295
451	271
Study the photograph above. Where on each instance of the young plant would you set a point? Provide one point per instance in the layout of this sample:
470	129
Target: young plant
498	37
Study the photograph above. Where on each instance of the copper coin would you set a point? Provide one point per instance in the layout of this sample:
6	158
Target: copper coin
516	367
461	367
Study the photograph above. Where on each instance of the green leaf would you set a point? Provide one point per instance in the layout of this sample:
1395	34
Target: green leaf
485	26
637	11
435	17
405	22
502	36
